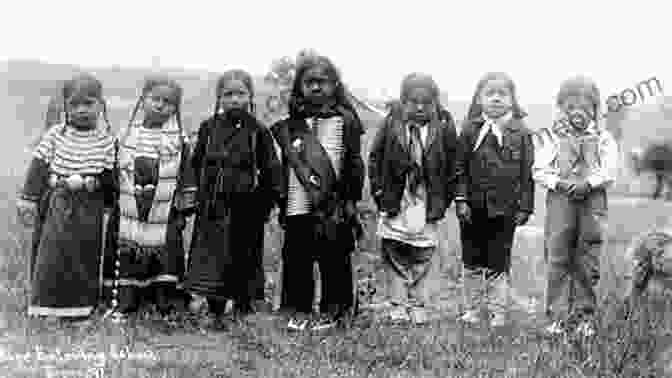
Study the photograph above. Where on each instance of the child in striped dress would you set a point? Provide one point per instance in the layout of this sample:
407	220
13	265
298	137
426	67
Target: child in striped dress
320	143
157	193
69	186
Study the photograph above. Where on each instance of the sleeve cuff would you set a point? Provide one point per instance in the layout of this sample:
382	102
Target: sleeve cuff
28	198
596	181
552	182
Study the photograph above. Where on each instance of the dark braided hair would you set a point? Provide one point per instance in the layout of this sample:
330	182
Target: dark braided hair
296	98
235	74
475	109
88	85
151	83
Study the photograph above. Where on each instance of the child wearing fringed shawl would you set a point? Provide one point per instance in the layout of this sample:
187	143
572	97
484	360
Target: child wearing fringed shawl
239	182
412	175
495	194
69	186
575	161
320	144
157	193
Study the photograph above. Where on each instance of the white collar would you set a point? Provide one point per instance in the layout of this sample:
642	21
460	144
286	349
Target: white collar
494	125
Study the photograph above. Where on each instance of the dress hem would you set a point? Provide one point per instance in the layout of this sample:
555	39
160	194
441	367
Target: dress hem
60	311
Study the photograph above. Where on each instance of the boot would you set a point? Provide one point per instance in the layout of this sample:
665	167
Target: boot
472	290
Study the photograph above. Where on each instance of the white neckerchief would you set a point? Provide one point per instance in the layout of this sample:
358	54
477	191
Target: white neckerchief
494	125
424	129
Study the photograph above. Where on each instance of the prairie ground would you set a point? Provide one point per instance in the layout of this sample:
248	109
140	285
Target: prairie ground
184	347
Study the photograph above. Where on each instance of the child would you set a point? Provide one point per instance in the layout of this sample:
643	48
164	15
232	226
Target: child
412	175
495	193
156	195
69	187
320	144
239	183
575	162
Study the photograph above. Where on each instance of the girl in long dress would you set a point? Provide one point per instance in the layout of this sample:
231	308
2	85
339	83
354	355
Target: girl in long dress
239	177
157	192
69	186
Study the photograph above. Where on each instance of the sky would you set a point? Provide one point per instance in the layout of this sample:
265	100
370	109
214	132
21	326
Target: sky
375	43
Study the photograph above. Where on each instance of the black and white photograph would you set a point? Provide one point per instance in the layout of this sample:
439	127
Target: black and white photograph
338	189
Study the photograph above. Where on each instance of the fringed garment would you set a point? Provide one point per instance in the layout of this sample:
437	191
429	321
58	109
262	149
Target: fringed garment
71	179
156	192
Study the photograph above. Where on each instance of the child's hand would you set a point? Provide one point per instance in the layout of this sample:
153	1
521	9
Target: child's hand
565	187
521	218
581	190
26	212
350	209
463	212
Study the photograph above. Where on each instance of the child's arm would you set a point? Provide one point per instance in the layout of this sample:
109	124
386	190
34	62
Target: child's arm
37	178
186	197
603	176
354	164
462	162
527	182
543	169
197	156
270	169
451	147
464	144
376	158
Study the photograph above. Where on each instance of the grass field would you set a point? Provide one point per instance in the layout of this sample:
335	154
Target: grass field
184	346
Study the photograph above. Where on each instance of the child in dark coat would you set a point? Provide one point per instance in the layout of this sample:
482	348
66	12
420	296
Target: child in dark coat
412	175
495	193
320	147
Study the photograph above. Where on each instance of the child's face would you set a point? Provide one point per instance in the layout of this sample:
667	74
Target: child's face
496	98
579	110
419	105
317	87
83	111
160	104
234	95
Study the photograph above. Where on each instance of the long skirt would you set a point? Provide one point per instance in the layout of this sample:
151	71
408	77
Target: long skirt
226	256
66	255
147	274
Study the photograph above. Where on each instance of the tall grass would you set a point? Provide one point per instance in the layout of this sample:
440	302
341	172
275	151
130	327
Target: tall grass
631	341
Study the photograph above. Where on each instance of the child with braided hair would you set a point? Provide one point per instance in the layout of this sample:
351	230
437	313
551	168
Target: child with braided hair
69	187
157	193
239	182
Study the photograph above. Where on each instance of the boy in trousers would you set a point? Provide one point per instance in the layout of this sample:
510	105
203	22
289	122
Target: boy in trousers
495	194
575	162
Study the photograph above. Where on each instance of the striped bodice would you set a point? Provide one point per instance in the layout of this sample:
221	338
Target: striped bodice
330	134
71	151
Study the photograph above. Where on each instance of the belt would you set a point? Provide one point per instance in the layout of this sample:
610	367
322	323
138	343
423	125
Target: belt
74	182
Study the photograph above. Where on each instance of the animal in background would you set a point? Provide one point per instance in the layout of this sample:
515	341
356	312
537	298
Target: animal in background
656	158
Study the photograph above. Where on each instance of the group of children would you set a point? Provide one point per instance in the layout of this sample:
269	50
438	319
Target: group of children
130	196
